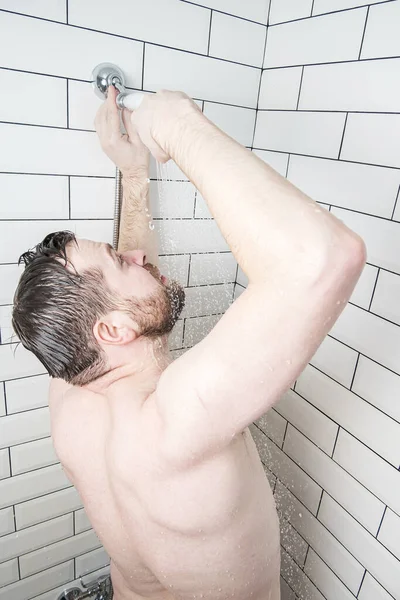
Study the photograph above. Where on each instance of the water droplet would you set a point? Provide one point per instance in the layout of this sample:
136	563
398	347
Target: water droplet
151	226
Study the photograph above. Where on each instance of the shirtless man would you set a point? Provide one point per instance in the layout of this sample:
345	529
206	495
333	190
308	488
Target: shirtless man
160	451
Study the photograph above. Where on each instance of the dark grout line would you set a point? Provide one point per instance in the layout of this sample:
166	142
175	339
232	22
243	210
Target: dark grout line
69	197
373	291
144	52
66	11
344	131
395	203
361	584
209	33
67	103
354	374
312	8
328	112
363	35
298	98
334	444
261	77
380	524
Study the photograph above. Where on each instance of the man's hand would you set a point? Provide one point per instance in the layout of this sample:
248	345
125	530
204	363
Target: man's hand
127	151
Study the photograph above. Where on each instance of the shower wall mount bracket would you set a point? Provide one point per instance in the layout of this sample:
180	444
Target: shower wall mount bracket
106	74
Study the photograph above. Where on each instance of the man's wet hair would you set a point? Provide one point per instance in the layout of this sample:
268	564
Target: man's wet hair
55	309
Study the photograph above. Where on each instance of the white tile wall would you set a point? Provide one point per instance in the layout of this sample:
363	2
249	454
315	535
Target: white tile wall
32	586
280	88
9	572
382	133
381	35
369	86
48	9
2	402
257	10
300	132
15	106
287	10
371	590
25	394
21	190
325	6
236	122
46	507
389	533
90	561
23	427
325	579
237	40
32	455
315	40
6	521
201	76
4	464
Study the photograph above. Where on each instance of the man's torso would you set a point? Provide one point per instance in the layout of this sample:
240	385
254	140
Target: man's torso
208	531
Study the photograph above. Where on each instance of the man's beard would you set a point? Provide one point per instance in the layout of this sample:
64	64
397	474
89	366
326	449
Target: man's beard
157	314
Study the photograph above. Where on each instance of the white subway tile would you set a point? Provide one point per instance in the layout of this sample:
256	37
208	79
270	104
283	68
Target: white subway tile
32	455
242	278
4	464
75	52
332	478
288	10
280	88
7	334
177	236
83	105
2	401
175	339
237	122
382	35
237	40
336	360
370	86
82	522
314	424
364	289
31	150
177	353
373	556
257	10
172	199
177	24
91	561
298	580
32	484
196	329
206	269
29	539
325	579
238	292
371	590
320	539
349	185
200	76
46	507
378	386
9	572
294	478
315	40
293	543
34	197
205	300
17	237
300	132
9	276
92	197
389	533
273	425
381	236
48	9
277	160
25	394
286	592
176	267
31	586
386	301
383	135
324	6
7	524
202	211
55	553
270	476
378	476
23	364
15	108
358	417
24	427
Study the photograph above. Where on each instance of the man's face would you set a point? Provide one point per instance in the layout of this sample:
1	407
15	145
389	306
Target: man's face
132	278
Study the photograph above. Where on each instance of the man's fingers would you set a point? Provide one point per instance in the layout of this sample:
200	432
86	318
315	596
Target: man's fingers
112	109
130	129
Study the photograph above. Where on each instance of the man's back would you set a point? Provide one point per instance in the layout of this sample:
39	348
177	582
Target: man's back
208	530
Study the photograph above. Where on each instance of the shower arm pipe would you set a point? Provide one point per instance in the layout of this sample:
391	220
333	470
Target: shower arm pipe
104	75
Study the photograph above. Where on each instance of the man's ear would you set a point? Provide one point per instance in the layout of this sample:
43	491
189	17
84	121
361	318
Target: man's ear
115	328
